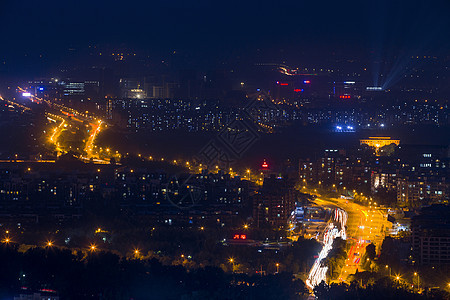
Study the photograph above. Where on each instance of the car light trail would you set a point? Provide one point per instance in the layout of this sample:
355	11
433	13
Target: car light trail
318	271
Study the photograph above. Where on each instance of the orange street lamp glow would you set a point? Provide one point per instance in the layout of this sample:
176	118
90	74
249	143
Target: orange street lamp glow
93	247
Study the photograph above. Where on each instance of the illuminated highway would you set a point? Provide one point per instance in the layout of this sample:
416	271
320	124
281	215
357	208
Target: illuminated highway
66	116
334	229
89	146
57	130
15	104
365	225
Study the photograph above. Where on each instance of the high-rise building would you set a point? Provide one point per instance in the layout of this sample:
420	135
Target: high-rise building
73	88
431	236
274	203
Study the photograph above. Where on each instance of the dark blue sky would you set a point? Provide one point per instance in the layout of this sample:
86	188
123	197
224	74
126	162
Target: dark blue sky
222	26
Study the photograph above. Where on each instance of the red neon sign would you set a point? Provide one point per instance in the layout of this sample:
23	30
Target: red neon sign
344	96
240	237
284	84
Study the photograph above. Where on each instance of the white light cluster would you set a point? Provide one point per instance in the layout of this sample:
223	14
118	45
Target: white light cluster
318	271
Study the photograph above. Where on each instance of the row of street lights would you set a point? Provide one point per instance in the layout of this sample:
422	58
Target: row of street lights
398	277
137	253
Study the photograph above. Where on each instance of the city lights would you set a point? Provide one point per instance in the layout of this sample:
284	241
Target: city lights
211	157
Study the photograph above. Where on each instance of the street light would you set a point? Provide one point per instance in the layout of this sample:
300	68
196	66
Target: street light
231	260
418	280
278	265
387	267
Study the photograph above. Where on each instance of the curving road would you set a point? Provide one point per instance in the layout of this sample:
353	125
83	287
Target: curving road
365	224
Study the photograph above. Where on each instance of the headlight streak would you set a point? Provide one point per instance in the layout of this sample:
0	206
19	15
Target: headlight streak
318	271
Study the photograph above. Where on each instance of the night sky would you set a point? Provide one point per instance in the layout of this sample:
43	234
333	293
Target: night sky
214	29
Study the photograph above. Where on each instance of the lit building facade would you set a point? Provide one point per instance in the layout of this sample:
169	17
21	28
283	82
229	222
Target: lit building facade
379	142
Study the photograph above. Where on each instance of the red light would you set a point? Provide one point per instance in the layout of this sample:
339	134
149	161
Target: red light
284	84
306	81
344	96
298	90
240	237
265	165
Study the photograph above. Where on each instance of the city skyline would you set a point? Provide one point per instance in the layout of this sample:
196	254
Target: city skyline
224	150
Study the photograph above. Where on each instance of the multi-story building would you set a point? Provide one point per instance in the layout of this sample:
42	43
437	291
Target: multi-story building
383	179
274	203
416	191
431	236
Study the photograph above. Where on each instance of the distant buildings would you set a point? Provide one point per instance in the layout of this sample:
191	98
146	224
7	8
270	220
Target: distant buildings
43	193
412	175
423	175
158	102
415	191
337	169
170	114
